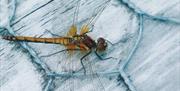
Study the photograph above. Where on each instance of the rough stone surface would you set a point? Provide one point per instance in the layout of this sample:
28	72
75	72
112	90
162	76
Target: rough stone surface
152	66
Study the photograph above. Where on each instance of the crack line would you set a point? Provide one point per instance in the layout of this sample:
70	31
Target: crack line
137	10
24	45
64	74
124	63
47	87
18	20
37	60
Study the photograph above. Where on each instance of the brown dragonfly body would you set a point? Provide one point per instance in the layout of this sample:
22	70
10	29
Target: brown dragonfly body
82	41
72	41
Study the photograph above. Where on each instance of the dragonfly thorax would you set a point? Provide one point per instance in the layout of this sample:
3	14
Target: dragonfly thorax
89	42
101	44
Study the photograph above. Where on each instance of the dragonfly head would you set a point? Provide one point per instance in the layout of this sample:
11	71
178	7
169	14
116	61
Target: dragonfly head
101	44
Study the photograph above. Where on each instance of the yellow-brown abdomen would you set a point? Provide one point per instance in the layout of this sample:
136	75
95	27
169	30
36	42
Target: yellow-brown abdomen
61	40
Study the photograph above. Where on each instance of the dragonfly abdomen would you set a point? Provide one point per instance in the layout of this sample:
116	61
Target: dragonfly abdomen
63	40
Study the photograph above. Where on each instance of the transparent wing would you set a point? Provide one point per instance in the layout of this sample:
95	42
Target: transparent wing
72	31
99	10
84	29
97	83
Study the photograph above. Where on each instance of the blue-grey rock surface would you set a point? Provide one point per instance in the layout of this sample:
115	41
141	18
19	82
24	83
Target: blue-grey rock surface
145	37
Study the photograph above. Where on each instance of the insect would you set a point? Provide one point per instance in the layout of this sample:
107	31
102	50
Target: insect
72	41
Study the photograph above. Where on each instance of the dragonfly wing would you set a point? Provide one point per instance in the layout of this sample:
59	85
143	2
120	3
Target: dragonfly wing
84	29
95	78
72	31
91	22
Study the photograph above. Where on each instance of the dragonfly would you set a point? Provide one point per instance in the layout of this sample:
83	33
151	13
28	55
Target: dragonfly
73	41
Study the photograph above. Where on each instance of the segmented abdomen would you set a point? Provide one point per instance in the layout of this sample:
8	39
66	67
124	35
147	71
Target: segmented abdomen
61	40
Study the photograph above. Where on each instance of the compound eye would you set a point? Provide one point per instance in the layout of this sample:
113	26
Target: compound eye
101	40
101	44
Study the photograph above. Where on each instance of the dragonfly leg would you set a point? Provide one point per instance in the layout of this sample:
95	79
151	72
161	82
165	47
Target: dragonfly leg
109	42
101	58
82	61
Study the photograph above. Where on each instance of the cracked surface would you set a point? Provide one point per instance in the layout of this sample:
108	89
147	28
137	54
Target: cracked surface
145	36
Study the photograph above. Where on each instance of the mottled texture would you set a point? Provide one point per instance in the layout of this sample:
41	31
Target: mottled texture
145	36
